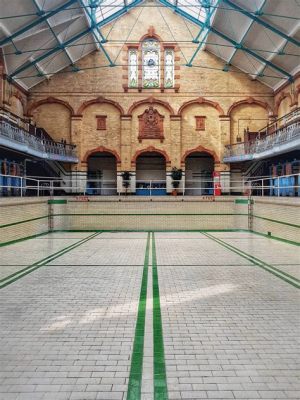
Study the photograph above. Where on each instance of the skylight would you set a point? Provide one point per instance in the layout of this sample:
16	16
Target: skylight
196	8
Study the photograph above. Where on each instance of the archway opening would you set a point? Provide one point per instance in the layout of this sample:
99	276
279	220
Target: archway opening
199	168
102	174
151	174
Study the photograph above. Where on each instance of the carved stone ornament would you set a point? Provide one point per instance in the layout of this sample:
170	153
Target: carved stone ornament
151	125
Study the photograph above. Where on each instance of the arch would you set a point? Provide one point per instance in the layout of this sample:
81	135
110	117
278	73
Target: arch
283	95
150	149
101	149
49	100
200	149
18	96
99	100
297	93
201	100
250	100
151	34
151	100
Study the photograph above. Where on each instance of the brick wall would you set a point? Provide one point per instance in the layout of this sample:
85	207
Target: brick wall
207	92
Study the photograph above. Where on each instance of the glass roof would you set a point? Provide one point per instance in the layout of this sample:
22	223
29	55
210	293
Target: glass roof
196	8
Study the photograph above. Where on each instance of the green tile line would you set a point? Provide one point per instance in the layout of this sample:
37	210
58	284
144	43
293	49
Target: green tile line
256	261
142	214
241	201
160	378
136	368
23	222
24	238
58	201
276	221
25	271
276	238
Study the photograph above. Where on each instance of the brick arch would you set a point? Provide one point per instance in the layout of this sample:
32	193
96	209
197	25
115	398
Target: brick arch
18	96
101	149
296	95
250	100
151	34
99	100
150	149
151	100
49	100
200	149
201	100
283	95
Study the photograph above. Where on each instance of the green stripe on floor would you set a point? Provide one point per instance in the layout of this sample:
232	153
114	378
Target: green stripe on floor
136	369
160	380
19	274
256	261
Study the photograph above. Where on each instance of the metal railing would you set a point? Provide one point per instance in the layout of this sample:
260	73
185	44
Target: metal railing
287	185
19	139
281	136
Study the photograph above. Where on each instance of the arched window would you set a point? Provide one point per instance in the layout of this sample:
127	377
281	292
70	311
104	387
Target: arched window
133	76
151	63
157	66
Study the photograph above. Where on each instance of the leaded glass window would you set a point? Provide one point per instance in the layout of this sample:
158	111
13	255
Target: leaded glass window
169	68
133	68
151	63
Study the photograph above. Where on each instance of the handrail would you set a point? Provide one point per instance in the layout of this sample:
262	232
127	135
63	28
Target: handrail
47	148
281	136
286	185
287	119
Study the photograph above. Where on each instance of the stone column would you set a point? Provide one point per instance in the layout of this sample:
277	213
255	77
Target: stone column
126	155
78	175
175	128
224	169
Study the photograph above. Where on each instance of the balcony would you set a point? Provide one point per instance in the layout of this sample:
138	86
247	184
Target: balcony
17	138
285	137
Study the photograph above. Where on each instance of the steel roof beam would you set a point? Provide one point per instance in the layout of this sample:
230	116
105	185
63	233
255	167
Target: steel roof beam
206	25
225	37
52	31
95	29
261	22
280	51
246	32
38	21
76	37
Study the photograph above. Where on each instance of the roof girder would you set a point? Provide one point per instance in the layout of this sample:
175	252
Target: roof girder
38	21
206	25
246	32
261	22
95	29
52	31
79	35
225	37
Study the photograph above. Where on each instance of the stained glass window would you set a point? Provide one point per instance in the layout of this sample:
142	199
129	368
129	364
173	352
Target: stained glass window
133	68
151	63
169	68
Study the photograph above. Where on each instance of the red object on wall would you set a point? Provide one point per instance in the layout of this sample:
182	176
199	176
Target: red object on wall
217	183
200	123
151	125
101	122
288	169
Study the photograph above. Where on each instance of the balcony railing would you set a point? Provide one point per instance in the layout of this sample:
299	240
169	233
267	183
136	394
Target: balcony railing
282	140
17	138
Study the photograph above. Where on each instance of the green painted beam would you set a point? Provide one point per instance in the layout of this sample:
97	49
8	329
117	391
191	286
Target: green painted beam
262	22
42	18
